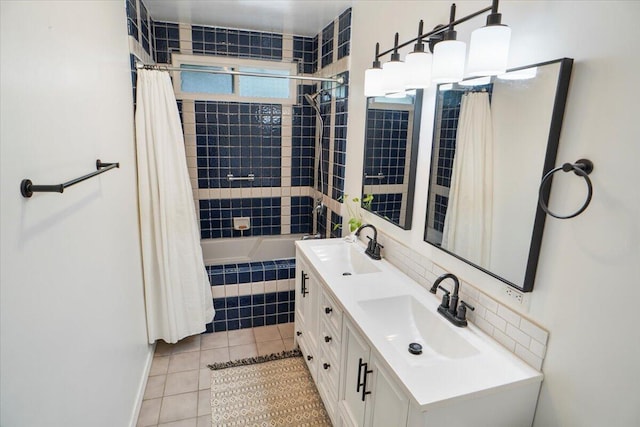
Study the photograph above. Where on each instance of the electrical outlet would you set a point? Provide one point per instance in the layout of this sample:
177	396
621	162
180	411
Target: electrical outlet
513	295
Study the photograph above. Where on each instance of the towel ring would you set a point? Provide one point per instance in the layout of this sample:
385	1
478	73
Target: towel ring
583	168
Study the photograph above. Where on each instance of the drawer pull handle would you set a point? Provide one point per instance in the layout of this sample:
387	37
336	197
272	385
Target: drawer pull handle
309	357
326	366
298	333
327	338
328	310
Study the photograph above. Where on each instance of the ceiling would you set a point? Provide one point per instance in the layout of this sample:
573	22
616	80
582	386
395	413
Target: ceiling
301	17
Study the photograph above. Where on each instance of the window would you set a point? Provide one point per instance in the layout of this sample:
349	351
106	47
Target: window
196	84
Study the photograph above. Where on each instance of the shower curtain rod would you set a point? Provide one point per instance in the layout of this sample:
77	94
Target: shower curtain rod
338	80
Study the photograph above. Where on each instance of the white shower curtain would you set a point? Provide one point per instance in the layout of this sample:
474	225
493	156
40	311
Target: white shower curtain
177	290
468	222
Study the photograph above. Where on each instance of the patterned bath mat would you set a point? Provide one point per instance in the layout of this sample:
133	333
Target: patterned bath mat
275	390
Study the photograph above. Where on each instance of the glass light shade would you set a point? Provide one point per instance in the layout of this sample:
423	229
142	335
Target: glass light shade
418	70
373	82
479	81
489	50
394	76
448	61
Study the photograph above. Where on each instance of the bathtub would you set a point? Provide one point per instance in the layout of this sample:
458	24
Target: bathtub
248	249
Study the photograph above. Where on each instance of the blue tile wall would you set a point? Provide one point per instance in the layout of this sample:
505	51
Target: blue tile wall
252	311
303	122
336	225
236	43
327	45
305	52
216	217
144	27
387	133
340	138
239	139
388	205
440	212
167	40
231	274
344	33
132	18
301	214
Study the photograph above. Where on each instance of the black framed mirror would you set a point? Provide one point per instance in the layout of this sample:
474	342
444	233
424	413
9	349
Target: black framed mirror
390	156
494	138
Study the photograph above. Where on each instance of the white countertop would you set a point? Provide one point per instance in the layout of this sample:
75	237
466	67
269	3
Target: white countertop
430	380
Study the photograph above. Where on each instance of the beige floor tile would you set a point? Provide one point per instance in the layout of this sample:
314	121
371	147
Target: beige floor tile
159	365
155	387
268	347
215	355
286	330
266	333
182	382
191	343
191	422
241	336
205	379
289	343
184	361
163	349
204	421
149	413
214	340
179	407
204	402
243	351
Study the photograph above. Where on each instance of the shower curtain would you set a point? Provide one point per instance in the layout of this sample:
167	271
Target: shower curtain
177	290
468	221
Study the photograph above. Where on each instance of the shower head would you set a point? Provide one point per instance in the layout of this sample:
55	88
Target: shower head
311	99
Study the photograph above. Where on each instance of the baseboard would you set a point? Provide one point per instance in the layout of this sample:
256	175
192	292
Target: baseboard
142	387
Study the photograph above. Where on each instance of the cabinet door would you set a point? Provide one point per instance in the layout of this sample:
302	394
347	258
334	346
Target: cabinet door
388	406
355	360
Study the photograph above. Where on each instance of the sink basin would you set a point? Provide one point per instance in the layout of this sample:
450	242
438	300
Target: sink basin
345	258
403	320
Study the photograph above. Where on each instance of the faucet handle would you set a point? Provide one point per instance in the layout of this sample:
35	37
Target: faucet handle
462	310
445	298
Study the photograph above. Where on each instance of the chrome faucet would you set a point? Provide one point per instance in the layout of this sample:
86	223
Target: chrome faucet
373	247
449	307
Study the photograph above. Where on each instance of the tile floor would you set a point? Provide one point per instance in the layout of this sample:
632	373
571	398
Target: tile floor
179	385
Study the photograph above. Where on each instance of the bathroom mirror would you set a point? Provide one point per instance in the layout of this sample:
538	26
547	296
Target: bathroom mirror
494	138
390	154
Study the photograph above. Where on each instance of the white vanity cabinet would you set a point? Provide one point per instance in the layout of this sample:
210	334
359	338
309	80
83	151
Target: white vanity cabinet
307	315
368	394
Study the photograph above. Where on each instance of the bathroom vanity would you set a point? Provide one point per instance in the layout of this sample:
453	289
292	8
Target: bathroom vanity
354	321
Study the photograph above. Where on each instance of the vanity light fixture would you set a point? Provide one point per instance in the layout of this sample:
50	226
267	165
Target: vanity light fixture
419	64
487	55
373	78
449	55
394	71
489	46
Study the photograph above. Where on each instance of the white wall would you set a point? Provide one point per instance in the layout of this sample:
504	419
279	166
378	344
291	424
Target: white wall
73	336
587	287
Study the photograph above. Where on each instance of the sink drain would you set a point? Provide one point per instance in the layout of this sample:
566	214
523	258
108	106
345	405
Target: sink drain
415	348
346	273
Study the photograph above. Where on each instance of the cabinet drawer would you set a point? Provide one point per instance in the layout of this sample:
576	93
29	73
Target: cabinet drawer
330	376
331	312
329	341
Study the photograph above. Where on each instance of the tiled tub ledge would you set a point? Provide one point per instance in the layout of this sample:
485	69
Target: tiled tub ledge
250	295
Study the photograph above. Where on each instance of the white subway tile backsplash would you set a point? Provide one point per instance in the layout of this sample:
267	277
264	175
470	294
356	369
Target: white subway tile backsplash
509	315
518	335
490	304
537	348
534	331
503	339
528	357
497	321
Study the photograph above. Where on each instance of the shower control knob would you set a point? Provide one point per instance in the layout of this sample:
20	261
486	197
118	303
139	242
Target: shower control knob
309	357
328	310
298	333
327	338
326	366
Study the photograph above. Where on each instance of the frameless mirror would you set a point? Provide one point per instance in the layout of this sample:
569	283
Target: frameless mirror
390	155
494	138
